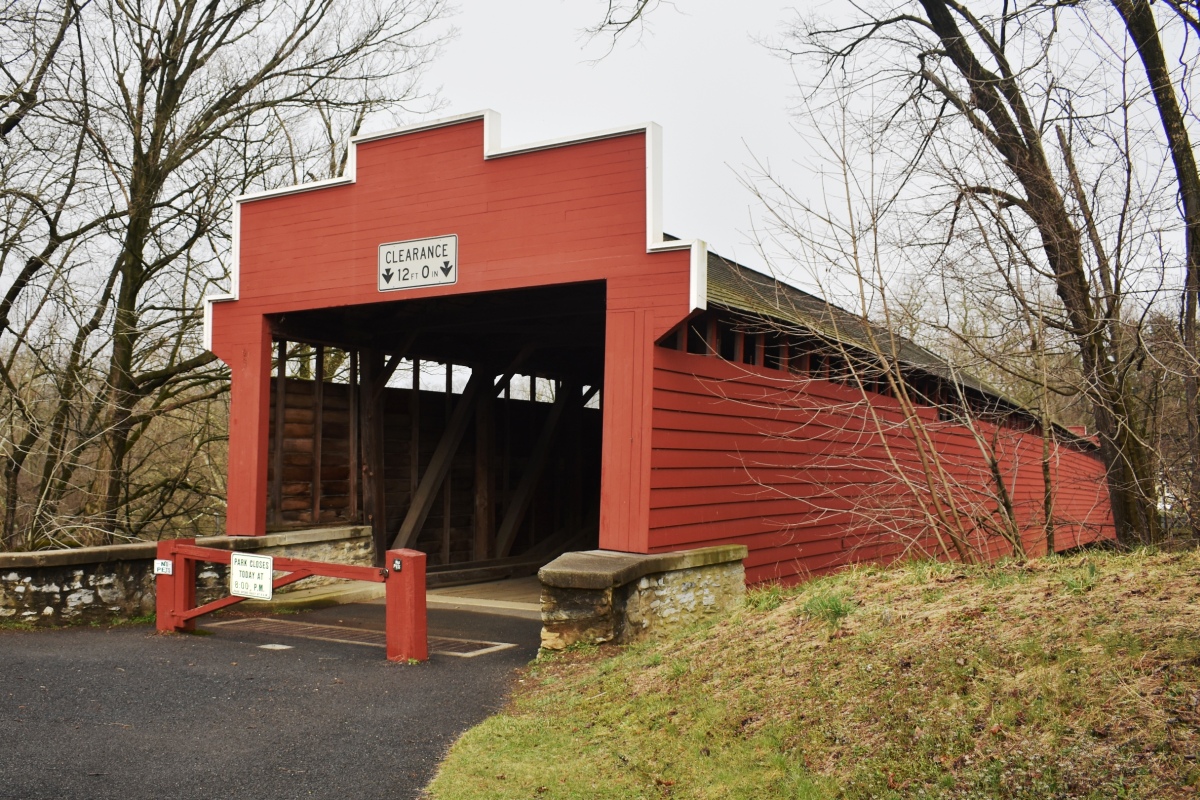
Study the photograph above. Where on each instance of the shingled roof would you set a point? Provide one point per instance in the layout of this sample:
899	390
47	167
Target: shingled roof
742	289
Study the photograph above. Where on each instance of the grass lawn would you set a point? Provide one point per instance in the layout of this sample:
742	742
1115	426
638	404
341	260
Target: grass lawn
1067	677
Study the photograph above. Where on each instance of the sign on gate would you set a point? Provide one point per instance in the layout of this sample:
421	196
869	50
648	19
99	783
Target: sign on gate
251	575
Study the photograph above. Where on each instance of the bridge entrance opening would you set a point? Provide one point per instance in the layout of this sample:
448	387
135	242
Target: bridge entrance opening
465	426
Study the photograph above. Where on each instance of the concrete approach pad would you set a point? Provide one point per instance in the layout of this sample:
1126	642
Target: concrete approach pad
128	713
513	597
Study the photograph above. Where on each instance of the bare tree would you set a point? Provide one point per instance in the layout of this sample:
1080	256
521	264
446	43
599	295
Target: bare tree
1146	33
176	91
31	37
154	117
621	16
1023	127
944	449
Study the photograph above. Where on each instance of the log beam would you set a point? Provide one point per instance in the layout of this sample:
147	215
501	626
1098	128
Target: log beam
485	513
277	456
482	384
355	436
439	464
374	500
318	409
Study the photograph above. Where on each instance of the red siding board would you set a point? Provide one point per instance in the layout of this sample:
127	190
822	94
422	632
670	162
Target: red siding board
804	472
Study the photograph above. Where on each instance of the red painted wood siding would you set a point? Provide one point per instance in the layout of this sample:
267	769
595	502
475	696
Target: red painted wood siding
806	476
561	215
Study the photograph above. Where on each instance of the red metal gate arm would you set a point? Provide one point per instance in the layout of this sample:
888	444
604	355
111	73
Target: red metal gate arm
282	564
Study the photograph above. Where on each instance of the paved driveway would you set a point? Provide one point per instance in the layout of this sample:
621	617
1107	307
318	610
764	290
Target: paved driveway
127	713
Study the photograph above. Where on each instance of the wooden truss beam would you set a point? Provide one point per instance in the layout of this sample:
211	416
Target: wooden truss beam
389	369
514	515
439	465
482	384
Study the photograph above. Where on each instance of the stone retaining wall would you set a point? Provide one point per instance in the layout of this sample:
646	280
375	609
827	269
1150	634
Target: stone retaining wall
602	596
54	587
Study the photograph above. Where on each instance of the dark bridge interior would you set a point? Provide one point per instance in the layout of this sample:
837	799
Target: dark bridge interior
466	426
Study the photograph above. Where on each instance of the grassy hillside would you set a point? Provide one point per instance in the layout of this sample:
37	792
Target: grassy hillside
1075	677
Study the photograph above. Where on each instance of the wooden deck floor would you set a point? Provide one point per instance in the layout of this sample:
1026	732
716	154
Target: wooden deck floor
520	596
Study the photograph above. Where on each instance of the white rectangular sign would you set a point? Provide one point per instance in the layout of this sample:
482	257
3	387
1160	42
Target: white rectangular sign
251	576
164	566
418	263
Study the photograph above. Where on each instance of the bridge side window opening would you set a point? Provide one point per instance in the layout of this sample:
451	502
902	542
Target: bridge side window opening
799	353
698	336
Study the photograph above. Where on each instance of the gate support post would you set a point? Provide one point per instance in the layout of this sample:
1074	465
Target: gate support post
407	632
175	593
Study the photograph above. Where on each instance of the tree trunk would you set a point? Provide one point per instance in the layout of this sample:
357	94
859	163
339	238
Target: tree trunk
1144	31
122	388
1017	138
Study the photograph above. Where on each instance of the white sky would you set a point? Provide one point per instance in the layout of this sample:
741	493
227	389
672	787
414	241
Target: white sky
698	70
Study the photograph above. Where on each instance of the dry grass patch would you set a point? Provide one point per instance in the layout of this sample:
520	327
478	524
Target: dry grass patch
1075	677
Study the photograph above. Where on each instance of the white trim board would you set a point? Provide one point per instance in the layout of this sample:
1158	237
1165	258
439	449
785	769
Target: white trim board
698	281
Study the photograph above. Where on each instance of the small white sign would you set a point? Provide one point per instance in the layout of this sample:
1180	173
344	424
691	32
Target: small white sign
251	576
164	566
418	263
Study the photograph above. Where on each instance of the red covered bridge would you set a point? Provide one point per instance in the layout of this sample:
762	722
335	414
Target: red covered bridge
495	355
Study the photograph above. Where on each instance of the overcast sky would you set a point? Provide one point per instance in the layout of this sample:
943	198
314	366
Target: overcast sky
699	70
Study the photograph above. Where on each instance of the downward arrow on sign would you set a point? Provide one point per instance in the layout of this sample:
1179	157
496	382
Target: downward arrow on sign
446	267
387	276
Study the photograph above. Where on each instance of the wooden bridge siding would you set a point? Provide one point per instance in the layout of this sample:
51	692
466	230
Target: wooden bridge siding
298	451
568	214
794	470
518	423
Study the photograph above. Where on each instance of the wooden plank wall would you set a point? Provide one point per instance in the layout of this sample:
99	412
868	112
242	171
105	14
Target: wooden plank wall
296	508
798	471
575	468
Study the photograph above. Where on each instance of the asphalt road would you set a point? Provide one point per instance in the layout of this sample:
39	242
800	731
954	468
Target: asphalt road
127	713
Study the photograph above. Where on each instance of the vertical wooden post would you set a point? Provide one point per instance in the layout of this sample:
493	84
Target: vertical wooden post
484	480
175	593
574	511
352	404
414	441
405	618
374	498
627	408
447	485
277	456
164	589
248	487
506	454
318	410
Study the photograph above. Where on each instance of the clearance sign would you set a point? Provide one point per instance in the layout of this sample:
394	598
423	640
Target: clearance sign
418	263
